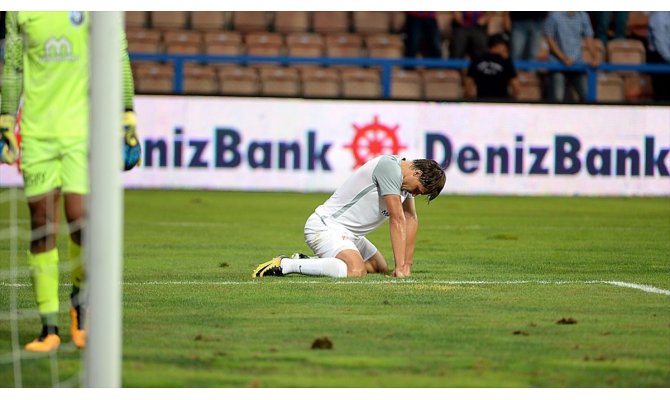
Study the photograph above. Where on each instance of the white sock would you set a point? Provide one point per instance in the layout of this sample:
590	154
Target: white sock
329	266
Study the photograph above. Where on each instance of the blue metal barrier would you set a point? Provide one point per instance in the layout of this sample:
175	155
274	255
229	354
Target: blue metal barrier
387	65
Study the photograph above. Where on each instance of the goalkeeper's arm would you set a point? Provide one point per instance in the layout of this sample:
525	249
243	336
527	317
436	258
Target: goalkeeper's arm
11	89
131	147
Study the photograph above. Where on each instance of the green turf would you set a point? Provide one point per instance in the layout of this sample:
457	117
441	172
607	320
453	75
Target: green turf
192	316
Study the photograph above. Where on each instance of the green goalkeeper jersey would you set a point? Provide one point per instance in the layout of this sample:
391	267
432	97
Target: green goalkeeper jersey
47	61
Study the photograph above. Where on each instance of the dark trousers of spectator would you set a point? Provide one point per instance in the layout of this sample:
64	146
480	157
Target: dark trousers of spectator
526	39
603	23
422	33
560	82
659	82
470	41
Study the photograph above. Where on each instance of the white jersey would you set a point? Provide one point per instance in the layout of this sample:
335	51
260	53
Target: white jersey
358	205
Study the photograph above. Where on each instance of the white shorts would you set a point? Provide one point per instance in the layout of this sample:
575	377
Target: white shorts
330	240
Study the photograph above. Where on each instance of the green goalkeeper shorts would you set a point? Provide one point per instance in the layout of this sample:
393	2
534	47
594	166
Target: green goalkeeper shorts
53	163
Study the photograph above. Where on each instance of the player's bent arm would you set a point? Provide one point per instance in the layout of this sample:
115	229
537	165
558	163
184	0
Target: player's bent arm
127	74
556	50
398	233
12	77
12	84
411	227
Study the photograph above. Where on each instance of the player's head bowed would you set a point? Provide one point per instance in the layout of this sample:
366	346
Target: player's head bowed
432	177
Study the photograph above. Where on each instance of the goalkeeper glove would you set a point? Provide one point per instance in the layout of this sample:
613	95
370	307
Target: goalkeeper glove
131	146
9	149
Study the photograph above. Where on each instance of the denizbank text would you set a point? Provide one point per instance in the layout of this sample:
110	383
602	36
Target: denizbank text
566	155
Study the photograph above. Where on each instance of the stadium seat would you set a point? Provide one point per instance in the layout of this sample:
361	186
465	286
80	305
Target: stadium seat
344	45
600	51
200	79
280	81
304	44
144	40
530	86
406	85
360	83
237	80
264	43
223	43
321	82
209	20
384	46
251	21
143	34
292	21
637	86
153	77
330	21
169	19
610	88
369	22
136	19
442	84
626	51
182	42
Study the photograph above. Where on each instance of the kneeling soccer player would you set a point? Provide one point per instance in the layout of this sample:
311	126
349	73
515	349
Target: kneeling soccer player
383	188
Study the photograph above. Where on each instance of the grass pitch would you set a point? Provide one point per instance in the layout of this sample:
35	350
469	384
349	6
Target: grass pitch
505	292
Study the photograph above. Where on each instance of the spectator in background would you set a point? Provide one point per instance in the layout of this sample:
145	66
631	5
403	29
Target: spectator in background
422	34
659	52
564	31
602	24
490	75
526	34
468	34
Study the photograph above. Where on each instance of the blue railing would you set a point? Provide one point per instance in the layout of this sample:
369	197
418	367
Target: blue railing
387	65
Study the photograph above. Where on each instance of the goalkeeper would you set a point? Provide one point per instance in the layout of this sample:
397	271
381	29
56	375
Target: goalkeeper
47	62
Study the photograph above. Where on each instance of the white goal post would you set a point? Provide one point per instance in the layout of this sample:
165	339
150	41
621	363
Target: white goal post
104	226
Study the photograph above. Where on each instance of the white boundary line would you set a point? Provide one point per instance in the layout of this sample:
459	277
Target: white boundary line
279	281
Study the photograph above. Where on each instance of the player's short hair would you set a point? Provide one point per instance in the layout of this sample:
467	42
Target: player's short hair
432	176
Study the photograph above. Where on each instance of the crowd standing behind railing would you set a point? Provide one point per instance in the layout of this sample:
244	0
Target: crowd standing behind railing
398	55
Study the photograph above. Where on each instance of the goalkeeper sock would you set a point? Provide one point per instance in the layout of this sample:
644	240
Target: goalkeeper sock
76	270
329	266
44	273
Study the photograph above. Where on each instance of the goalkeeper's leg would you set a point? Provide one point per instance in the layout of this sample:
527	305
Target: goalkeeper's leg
43	263
74	213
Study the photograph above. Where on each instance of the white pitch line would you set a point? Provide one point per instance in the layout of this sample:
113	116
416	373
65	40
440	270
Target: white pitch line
644	288
637	286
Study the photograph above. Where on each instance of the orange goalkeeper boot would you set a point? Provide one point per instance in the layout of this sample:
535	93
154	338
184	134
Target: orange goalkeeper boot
47	341
77	330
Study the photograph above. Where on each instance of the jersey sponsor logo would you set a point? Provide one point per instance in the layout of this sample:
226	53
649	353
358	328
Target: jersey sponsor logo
58	49
76	17
372	140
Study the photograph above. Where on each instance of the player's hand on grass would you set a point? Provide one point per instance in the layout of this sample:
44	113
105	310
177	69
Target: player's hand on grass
132	151
401	272
9	149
